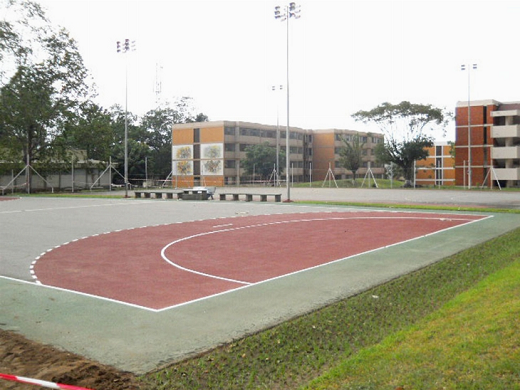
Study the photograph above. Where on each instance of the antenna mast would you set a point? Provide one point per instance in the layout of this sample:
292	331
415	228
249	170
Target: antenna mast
158	84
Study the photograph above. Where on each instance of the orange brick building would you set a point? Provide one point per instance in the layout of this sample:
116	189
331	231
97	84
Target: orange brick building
210	153
487	151
439	168
326	153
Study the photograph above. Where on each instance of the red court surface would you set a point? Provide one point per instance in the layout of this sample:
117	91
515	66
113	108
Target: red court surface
164	266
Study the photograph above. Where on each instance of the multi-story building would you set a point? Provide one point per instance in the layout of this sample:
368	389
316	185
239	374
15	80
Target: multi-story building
487	146
326	153
209	153
438	169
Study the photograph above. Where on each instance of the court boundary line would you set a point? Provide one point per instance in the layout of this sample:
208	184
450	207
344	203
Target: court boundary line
136	306
230	229
326	264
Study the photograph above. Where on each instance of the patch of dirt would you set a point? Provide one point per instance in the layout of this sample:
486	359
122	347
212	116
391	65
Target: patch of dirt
22	357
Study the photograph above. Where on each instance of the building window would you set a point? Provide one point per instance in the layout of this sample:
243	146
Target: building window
268	134
229	130
196	151
229	147
250	132
243	147
230	164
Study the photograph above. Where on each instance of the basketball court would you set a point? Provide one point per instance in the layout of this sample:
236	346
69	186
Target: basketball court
140	283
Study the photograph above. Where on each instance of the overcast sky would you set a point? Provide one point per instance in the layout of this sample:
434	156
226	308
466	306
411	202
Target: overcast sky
345	55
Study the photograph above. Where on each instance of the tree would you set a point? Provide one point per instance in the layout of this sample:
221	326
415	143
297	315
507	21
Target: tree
351	154
408	130
34	113
42	87
24	25
155	131
157	135
261	160
92	131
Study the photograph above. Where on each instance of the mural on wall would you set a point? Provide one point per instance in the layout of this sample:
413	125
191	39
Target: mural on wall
212	159
183	159
183	168
182	152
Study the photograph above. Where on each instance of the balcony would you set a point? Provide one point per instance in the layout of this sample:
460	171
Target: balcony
507	173
505	113
505	153
509	131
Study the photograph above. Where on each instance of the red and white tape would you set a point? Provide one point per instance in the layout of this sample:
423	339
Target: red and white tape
37	382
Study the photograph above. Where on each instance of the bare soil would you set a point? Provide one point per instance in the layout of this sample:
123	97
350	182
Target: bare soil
22	357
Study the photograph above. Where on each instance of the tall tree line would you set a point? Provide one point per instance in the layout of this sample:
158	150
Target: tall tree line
47	108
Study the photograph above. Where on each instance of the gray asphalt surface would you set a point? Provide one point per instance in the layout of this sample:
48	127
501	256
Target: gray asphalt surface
473	198
138	340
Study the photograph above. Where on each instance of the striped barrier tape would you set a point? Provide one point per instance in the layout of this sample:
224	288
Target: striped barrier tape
37	382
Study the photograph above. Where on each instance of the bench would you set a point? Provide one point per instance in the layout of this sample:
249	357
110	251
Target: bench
249	197
157	194
195	193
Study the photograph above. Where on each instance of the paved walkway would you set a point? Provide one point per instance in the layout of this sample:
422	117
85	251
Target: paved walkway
138	340
470	198
477	198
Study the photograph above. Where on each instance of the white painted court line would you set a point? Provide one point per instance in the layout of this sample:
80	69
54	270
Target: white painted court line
125	203
79	293
246	284
176	265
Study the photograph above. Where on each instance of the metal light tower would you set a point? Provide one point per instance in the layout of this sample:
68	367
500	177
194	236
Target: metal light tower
284	14
470	167
277	137
124	48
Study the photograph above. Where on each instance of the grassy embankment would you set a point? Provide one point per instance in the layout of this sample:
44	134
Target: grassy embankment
454	324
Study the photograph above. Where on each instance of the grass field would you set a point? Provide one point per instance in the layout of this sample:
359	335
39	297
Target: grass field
470	343
452	325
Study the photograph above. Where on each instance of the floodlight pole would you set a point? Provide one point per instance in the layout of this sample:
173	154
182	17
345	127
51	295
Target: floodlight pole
277	137
468	68
123	49
289	11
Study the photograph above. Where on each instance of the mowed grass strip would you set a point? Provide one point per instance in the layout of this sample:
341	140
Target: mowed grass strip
473	342
295	352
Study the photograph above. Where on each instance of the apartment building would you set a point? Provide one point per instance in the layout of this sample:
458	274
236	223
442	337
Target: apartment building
438	169
326	153
209	153
487	146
